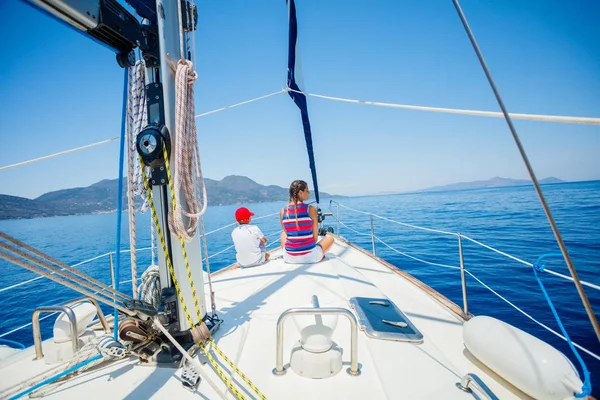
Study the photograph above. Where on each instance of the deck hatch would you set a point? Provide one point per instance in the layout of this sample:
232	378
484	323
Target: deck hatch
381	319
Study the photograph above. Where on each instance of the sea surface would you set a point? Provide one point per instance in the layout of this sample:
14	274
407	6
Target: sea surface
509	219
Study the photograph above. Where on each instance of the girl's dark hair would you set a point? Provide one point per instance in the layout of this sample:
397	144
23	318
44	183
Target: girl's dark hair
295	188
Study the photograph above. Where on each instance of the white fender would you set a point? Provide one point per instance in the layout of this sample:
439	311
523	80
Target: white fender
530	364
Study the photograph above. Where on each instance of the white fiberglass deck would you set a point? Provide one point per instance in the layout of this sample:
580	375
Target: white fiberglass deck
251	300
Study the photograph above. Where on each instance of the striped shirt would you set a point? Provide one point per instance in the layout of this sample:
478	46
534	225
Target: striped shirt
298	227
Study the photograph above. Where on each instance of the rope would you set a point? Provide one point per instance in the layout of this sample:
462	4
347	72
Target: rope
568	278
86	280
62	269
477	113
178	290
150	287
397	222
213	304
189	358
109	301
136	117
181	239
91	354
130	189
56	377
62	278
236	369
187	172
240	104
585	283
165	250
222	251
587	385
72	266
120	197
597	357
152	241
559	240
398	251
58	154
41	319
215	365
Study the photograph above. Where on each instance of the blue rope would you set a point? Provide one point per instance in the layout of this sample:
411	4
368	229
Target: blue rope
13	343
120	198
57	376
538	265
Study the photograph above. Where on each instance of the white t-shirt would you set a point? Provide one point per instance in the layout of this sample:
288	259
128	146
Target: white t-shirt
246	239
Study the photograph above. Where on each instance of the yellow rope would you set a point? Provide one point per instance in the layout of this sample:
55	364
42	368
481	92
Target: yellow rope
178	290
164	246
221	373
185	257
213	362
236	369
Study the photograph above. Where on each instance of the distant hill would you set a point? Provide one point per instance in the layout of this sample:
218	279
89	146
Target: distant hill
490	183
101	197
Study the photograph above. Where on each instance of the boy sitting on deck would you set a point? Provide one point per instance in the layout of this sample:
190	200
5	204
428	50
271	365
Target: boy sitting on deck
248	240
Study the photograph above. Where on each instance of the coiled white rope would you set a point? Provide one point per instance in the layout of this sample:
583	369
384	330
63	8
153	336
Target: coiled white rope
150	286
188	173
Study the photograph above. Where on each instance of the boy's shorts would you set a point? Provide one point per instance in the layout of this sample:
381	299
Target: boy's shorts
261	260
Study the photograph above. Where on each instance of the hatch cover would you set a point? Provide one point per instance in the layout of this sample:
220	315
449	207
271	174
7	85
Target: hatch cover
381	319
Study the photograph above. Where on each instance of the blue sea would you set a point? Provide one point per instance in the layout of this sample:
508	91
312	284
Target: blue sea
509	219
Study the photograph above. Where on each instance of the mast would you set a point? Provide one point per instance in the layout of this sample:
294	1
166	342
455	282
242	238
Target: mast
169	35
160	34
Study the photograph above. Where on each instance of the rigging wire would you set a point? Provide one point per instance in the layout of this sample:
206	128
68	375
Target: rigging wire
477	113
538	189
58	154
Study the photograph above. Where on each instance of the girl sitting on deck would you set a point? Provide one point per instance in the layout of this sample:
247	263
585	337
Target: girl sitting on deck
300	229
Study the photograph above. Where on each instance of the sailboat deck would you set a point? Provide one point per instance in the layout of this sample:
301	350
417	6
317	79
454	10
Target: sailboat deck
250	302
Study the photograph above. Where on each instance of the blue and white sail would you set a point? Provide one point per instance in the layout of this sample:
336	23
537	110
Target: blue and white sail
296	94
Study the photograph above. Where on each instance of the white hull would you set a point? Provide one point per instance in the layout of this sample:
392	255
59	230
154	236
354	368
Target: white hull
250	301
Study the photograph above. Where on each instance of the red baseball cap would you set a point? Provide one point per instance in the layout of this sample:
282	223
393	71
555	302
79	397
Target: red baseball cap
242	214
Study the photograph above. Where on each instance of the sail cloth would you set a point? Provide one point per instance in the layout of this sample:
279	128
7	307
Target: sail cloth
300	98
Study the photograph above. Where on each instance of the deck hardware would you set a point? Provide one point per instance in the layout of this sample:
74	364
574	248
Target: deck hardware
380	318
35	323
462	277
353	370
473	380
398	324
189	377
372	235
37	336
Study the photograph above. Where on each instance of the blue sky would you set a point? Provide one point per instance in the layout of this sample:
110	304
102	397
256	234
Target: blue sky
60	90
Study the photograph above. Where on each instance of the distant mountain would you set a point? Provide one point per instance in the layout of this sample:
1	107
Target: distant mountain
490	183
101	197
